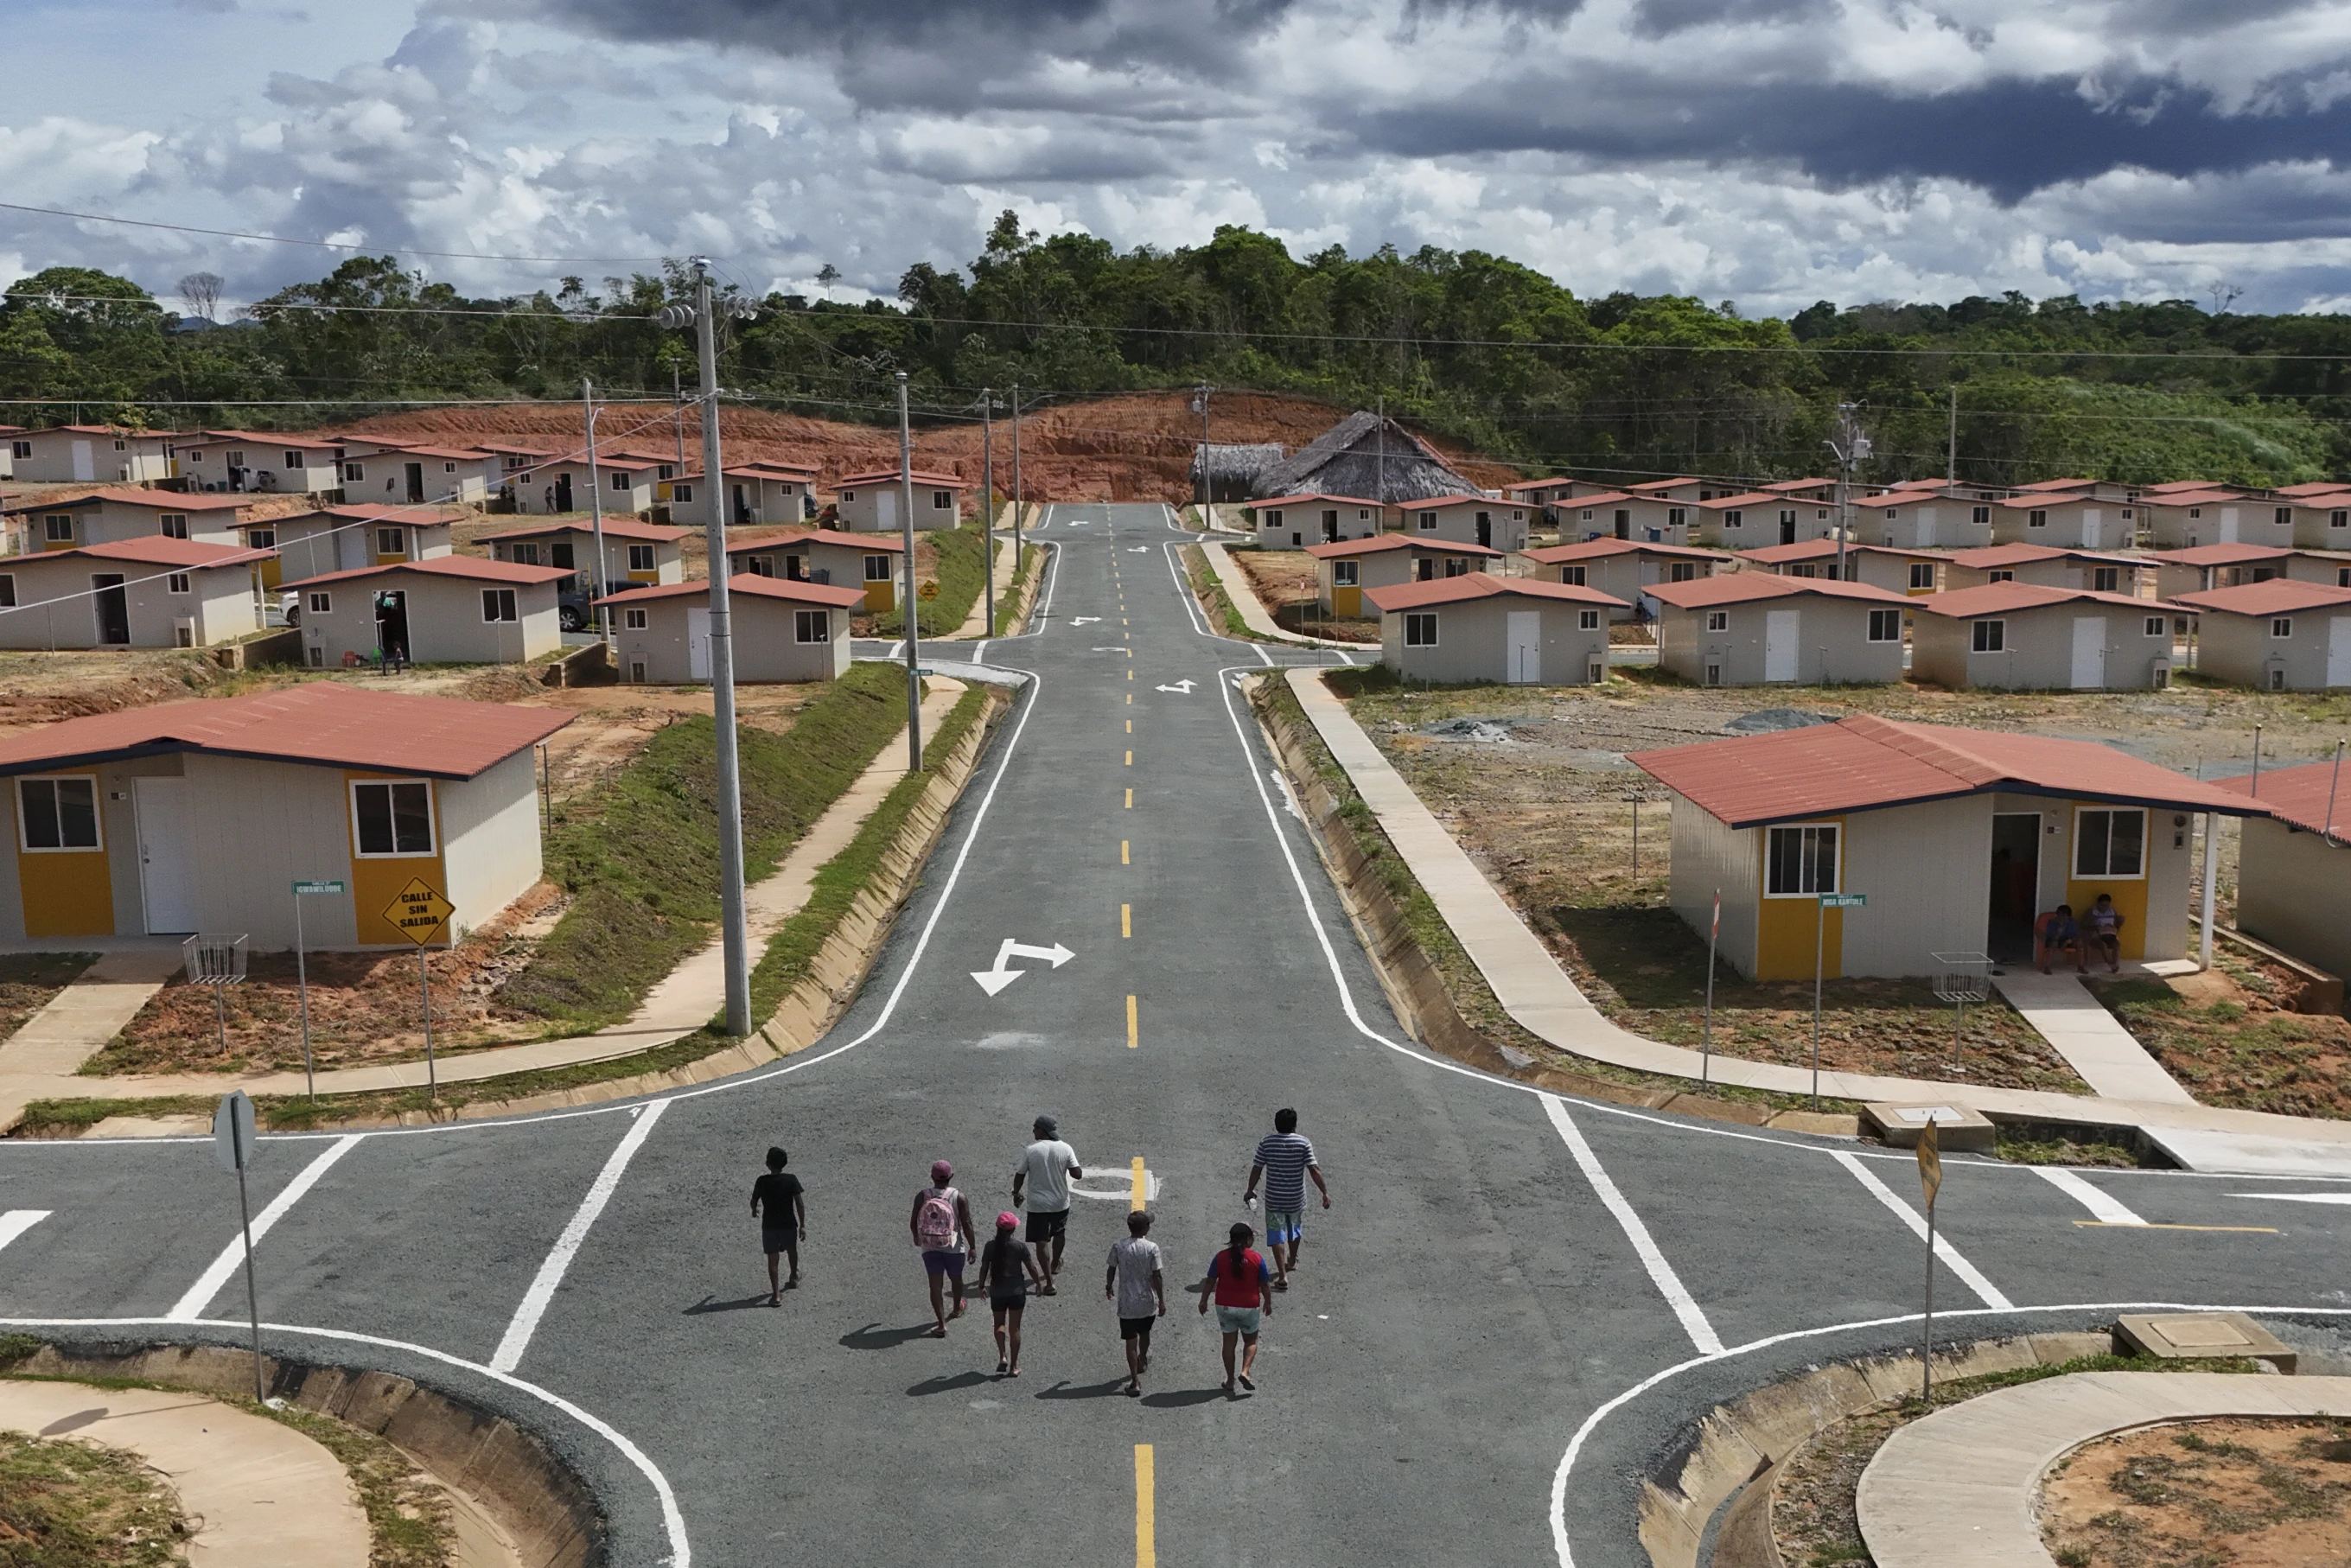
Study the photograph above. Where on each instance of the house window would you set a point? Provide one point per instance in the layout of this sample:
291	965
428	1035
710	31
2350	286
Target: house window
664	471
1803	861
321	604
498	605
877	569
1892	513
2283	516
1574	574
634	620
7	588
2194	513
1922	574
1731	519
1713	672
2106	579
812	625
57	530
354	472
174	524
261	539
2282	627
1420	629
1588	621
2157	625
1346	574
1787	518
2036	519
1363	514
681	492
641	557
2339	520
1886	625
24	449
392	817
59	813
849	496
392	541
1457	566
292	460
619	481
1428	522
2109	843
1718	620
1982	515
1673	516
942	500
236	459
1681	572
1272	518
1999	577
177	582
1989	637
122	446
1587	514
523	554
448	467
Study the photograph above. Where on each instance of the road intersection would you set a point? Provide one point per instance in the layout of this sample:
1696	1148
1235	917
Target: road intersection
1515	1306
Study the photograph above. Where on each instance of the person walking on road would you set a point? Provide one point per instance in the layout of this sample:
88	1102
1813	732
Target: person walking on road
940	1221
1046	1167
1237	1280
1005	1267
783	1220
1136	1282
1285	1160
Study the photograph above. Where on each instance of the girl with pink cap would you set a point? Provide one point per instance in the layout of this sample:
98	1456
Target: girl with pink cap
1005	1268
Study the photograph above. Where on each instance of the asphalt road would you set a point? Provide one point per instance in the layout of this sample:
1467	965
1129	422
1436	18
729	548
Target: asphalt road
1514	1305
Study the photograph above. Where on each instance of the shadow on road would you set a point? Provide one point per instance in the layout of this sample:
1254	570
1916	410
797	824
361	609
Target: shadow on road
946	1382
708	1304
1091	1391
873	1336
1181	1397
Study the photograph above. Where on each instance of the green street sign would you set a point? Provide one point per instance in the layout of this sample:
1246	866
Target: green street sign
302	887
1843	900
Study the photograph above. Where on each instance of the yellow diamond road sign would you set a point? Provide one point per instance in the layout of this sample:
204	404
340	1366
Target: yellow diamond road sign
419	911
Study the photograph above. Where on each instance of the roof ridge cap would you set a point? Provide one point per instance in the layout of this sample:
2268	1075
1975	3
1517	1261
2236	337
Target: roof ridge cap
1913	741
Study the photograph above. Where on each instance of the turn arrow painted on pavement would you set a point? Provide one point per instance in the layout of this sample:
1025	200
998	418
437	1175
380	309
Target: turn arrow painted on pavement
1083	619
1182	687
995	979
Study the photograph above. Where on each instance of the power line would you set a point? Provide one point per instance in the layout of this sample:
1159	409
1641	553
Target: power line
322	244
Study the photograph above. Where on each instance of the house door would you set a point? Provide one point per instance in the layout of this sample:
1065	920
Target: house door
167	871
1623	525
1788	532
885	509
391	624
1522	636
1485	529
2015	890
563	492
1425	570
1783	634
2089	653
2338	651
84	469
742	506
415	483
2228	525
1926	540
113	608
697	644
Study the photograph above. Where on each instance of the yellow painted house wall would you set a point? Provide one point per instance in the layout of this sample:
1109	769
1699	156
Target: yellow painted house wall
66	893
880	596
1786	933
376	880
2129	894
1346	602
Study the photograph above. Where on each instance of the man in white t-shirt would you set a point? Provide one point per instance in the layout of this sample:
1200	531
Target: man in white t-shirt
1044	1181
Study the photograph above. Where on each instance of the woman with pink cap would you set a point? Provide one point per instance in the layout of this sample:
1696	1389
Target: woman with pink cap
1005	1267
942	1219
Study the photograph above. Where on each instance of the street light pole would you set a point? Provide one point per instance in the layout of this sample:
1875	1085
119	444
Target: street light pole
911	618
1851	446
1207	494
734	934
1016	474
988	507
596	590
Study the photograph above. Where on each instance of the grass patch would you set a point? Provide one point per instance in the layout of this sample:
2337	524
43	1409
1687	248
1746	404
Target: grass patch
409	1522
2239	1049
72	1504
961	574
1210	591
1021	571
28	981
2063	1151
641	858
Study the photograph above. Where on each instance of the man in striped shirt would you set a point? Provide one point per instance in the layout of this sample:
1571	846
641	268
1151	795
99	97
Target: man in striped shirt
1285	1160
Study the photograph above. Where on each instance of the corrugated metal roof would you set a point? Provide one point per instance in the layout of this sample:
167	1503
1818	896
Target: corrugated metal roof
162	500
1750	498
1305	497
758	587
1482	585
156	550
919	476
1597	550
2301	796
614	527
1742	587
1395	541
749	542
2221	555
1864	762
415	517
2278	596
1819	549
323	723
2027	555
473	568
2010	598
1603	498
1458	498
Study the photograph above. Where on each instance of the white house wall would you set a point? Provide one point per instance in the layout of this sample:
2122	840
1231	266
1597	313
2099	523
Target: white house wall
1707	854
2294	892
1926	870
2039	655
489	835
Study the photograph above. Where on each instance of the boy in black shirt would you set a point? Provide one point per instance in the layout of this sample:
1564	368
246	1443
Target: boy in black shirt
783	1220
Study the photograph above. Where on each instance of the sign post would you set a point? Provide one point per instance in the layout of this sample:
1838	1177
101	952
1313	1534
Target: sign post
420	913
302	974
1706	1039
1820	964
232	1146
1930	1178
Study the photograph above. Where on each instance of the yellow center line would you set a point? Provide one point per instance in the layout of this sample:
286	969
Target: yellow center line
2123	1225
1121	843
1130	727
1126	920
1130	800
1146	1548
1130	759
1132	1039
1141	1187
1130	676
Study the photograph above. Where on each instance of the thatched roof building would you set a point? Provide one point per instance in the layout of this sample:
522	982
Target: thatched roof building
1363	455
1232	469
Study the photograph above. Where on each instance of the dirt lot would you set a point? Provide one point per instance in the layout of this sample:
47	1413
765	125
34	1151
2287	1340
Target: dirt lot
2230	1038
1285	584
1540	798
2244	1493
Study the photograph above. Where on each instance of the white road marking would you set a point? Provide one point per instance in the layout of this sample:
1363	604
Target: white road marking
1969	1275
2335	1197
566	1245
1151	1187
1181	688
1289	796
17	1221
995	979
1661	1274
2102	1207
191	1306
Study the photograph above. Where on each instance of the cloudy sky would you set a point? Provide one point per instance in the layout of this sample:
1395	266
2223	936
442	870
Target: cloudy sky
1766	152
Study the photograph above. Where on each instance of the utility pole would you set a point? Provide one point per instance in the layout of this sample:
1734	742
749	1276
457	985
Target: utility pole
1952	462
1016	472
596	511
1382	493
912	618
988	507
733	935
677	419
1207	493
1850	446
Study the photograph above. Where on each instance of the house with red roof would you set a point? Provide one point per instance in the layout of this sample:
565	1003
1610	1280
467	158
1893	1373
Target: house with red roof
1293	522
2199	515
1753	628
2293	863
1896	570
1468	519
89	454
646	554
1515	631
1749	519
770	493
2276	636
1343	569
868	503
145	593
871	563
1932	516
2017	636
2084	517
784	628
421	472
2202	567
1624	568
118	513
623	483
2048	566
1629	515
266	462
449	609
346	537
1956	838
196	816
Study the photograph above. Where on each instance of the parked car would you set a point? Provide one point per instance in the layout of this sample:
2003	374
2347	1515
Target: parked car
575	608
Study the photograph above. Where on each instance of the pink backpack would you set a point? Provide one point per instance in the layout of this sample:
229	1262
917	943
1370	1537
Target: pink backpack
934	1222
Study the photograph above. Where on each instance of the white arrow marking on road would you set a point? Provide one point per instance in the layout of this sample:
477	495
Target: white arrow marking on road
1182	687
1083	619
17	1221
995	979
1139	549
1114	650
2340	1197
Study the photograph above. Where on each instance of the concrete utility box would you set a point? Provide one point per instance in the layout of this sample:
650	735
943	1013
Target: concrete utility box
2201	1336
1957	1129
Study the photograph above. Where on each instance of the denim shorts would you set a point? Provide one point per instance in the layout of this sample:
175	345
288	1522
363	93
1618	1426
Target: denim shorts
1237	1320
1283	1226
942	1263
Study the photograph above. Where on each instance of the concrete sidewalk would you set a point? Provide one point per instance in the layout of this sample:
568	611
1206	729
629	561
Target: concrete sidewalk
255	1493
2091	1040
683	1002
1535	991
103	1000
1959	1488
1252	609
